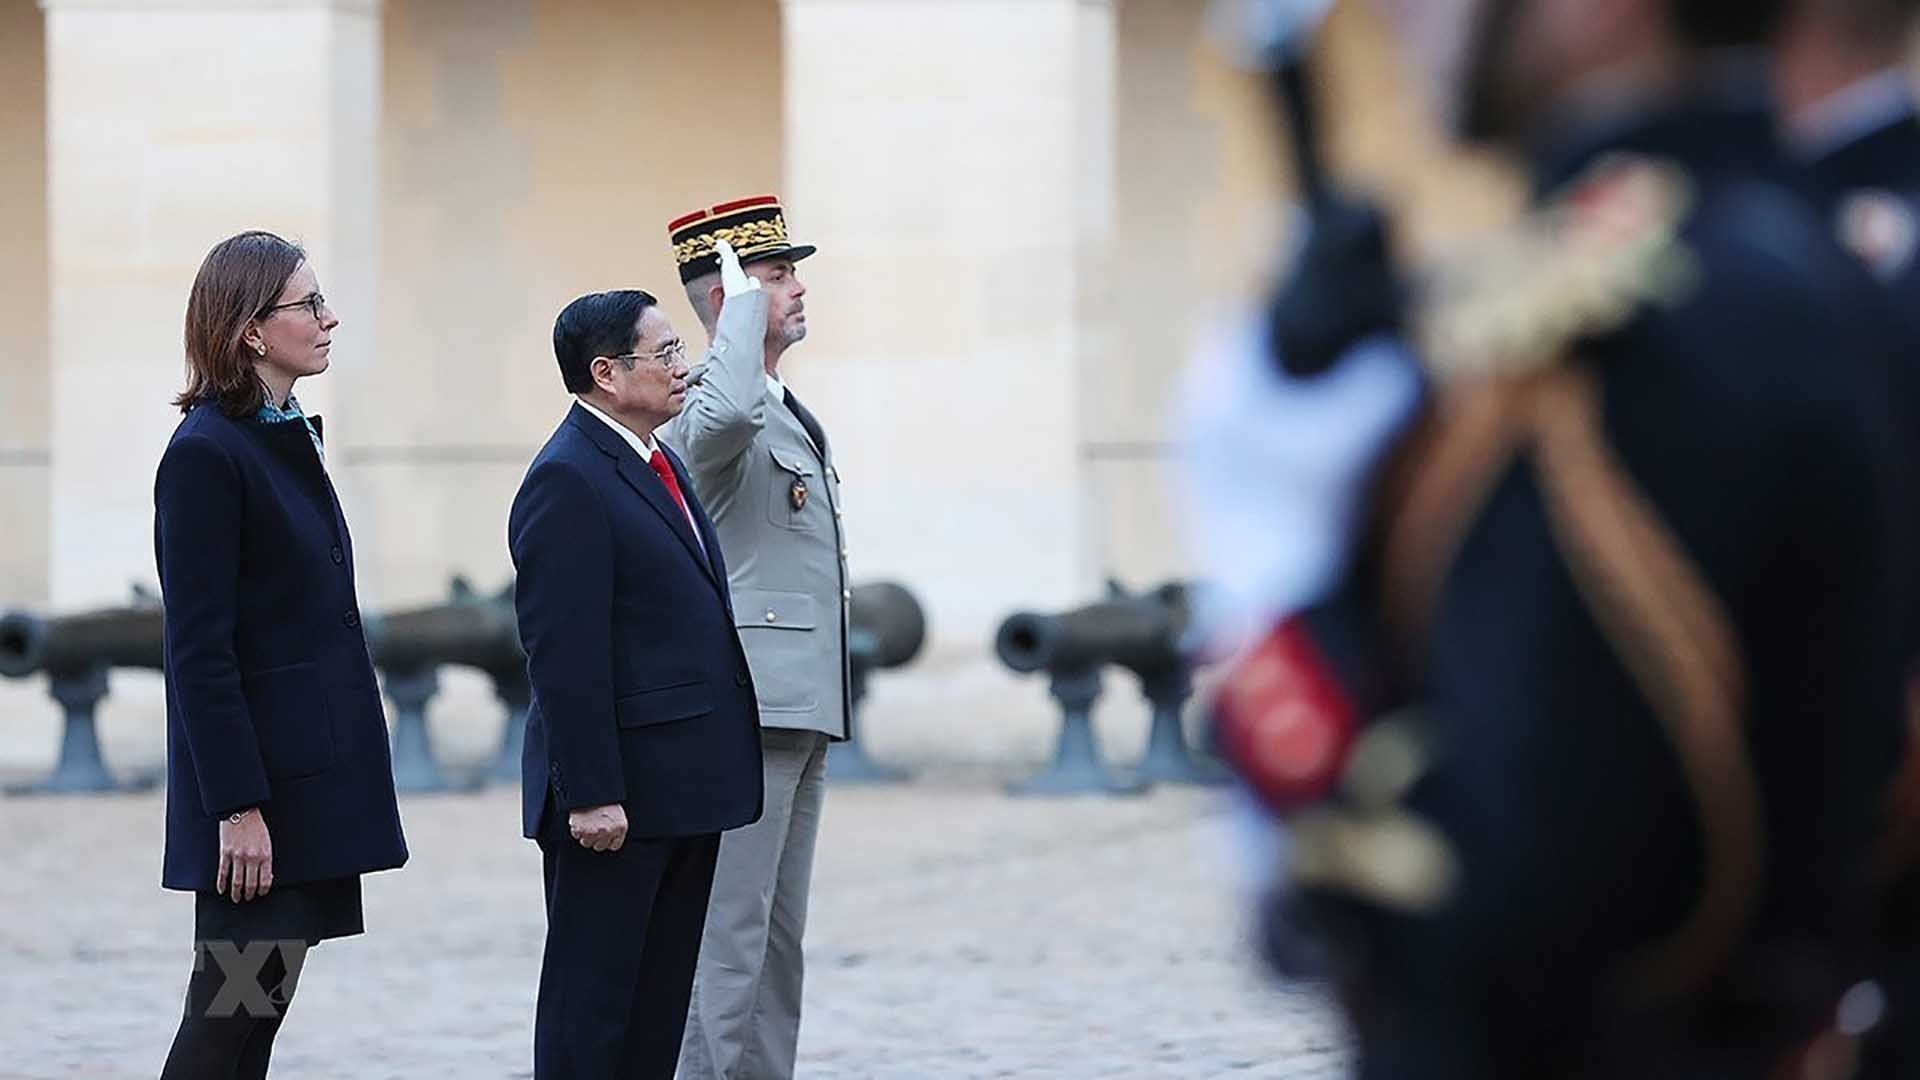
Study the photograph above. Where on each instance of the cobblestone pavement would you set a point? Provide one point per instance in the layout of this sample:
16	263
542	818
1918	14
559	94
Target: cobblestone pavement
956	932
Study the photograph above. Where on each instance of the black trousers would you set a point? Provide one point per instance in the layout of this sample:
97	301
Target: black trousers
246	961
623	936
236	1000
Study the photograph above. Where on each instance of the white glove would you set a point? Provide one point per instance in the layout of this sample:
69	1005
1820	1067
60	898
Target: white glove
733	280
1278	467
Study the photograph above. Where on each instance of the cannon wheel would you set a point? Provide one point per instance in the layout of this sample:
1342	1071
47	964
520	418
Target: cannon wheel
80	769
1168	759
848	762
1077	768
415	769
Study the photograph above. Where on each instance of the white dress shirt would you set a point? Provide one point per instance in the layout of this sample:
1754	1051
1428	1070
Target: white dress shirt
1275	469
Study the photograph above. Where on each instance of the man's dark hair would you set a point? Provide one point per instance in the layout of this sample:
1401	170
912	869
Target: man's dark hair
597	324
1713	24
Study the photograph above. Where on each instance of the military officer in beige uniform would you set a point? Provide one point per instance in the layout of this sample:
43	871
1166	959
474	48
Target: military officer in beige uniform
762	466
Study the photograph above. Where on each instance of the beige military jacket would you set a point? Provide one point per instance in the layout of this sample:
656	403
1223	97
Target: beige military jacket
775	500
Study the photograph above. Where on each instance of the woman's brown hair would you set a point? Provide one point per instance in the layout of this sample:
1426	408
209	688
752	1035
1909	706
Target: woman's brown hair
240	278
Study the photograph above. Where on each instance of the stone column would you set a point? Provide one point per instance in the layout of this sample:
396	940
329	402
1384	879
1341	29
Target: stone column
952	162
172	124
23	306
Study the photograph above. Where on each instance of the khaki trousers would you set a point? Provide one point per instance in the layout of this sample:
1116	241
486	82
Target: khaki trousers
744	1023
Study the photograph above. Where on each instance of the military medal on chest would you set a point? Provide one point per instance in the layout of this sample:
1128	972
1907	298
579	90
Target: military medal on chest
1879	227
797	494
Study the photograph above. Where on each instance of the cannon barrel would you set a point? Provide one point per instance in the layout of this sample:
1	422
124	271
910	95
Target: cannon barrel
886	625
1137	632
476	632
113	637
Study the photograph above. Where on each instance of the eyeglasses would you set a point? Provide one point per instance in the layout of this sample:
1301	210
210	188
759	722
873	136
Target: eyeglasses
666	356
313	302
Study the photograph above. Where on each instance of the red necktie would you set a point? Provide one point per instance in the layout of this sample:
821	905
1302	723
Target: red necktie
665	471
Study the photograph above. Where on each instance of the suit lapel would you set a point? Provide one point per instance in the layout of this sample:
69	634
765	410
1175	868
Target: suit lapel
708	539
290	442
339	516
640	477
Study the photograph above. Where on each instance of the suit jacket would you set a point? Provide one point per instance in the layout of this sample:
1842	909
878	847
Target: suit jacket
271	696
775	499
641	693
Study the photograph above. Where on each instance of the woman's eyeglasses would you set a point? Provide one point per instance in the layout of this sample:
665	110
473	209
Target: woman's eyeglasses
313	302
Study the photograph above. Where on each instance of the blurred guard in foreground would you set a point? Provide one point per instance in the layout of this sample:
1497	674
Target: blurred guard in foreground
1848	108
1589	718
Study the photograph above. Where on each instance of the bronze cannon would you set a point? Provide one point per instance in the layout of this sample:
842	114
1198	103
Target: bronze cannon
468	629
886	628
1139	632
1144	633
126	637
76	652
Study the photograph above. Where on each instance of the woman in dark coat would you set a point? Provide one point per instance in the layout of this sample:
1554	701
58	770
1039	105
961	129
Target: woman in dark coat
279	785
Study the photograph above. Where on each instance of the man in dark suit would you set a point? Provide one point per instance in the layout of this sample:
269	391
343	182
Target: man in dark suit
643	739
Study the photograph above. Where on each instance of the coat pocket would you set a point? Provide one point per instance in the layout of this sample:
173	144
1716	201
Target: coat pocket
791	487
777	631
288	706
663	704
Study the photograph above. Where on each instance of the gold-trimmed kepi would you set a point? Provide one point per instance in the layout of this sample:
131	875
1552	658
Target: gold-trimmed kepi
756	227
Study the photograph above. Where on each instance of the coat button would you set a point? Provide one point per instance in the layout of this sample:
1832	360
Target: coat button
771	617
847	595
337	555
740	678
351	618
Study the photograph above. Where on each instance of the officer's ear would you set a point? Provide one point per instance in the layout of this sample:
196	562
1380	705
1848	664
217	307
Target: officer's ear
716	297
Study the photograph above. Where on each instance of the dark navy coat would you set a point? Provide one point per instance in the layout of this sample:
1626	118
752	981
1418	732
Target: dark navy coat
641	693
271	697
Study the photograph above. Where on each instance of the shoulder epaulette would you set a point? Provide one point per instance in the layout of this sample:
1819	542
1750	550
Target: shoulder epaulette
1580	266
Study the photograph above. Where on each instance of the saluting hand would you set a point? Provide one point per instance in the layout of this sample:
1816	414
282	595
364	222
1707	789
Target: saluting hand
599	828
733	280
246	856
